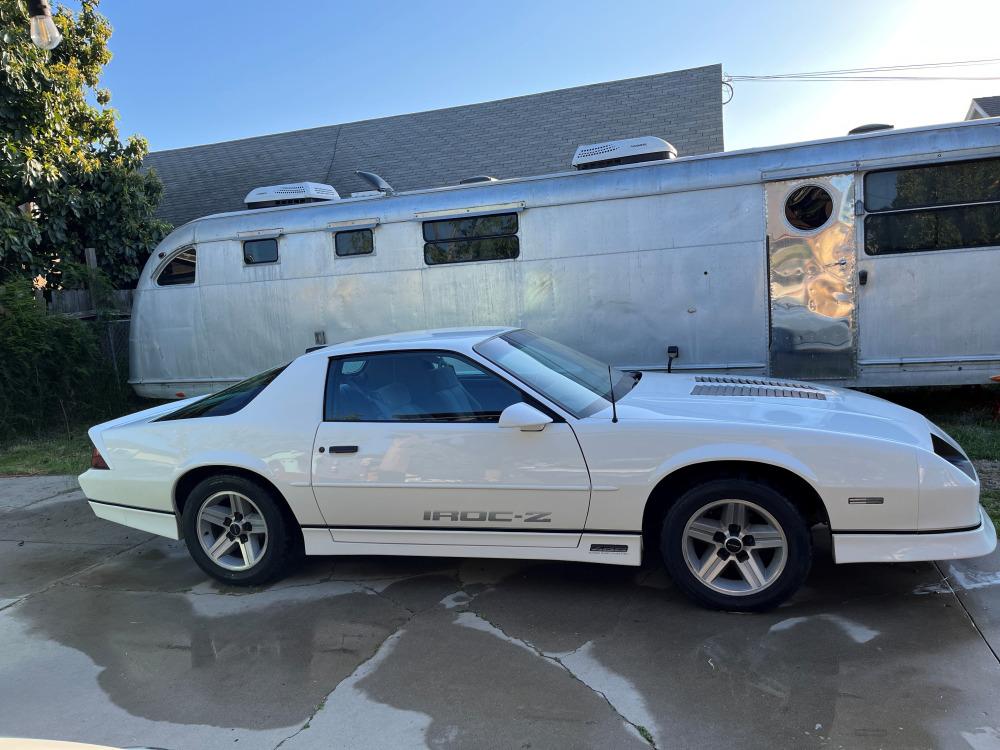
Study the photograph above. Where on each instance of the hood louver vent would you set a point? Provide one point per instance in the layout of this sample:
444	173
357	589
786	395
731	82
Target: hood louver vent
759	391
770	383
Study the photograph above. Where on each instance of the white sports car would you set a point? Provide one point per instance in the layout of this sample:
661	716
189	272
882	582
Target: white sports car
501	443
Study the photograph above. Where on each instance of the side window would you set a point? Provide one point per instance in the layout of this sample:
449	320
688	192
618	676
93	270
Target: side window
228	401
260	251
468	240
414	387
934	207
180	269
354	242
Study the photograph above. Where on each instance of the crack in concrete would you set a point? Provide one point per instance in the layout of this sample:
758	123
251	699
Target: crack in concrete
968	614
58	581
67	491
640	730
374	654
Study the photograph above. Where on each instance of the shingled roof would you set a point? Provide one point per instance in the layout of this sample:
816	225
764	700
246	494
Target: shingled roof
522	136
984	106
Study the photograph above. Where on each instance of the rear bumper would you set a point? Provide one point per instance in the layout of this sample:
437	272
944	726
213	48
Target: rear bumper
938	545
153	521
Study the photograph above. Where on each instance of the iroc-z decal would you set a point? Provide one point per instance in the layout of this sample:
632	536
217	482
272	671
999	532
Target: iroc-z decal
488	516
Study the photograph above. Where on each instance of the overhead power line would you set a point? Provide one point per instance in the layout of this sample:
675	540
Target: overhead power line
880	73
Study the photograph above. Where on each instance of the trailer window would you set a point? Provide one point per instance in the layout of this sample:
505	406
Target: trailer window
808	207
354	242
933	185
472	239
179	270
260	251
935	207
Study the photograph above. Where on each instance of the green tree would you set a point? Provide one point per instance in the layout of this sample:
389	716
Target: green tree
67	181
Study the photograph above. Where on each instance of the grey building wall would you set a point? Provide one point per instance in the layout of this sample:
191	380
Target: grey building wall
525	135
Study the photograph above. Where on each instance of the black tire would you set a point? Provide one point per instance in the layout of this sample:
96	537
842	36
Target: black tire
797	545
282	538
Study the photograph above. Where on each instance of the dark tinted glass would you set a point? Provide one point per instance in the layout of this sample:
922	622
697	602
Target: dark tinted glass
475	226
180	270
414	387
354	242
229	401
934	185
933	229
260	251
466	251
808	207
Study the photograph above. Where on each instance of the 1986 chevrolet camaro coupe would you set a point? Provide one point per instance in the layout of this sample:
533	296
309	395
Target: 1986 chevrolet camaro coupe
501	443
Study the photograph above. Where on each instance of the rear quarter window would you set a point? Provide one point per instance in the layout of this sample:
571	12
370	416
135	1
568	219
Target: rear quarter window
228	401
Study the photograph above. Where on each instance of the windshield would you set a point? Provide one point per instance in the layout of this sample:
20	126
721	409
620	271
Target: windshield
579	384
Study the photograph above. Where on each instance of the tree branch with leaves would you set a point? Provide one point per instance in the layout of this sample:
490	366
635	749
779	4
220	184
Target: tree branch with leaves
67	181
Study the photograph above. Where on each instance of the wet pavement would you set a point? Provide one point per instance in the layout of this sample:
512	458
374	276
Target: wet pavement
108	635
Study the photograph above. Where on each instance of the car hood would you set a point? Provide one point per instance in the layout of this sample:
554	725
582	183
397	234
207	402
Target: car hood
772	402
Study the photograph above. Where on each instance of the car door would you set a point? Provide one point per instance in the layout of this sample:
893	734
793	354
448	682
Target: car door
410	451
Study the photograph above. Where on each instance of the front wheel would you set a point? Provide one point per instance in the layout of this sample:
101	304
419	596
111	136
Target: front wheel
736	544
236	531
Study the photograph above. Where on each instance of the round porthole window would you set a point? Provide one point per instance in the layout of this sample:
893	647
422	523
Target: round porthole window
808	207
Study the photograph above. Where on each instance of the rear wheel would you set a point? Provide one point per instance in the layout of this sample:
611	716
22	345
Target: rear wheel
236	531
736	544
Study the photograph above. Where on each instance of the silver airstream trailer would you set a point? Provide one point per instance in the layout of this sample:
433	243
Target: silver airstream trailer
866	260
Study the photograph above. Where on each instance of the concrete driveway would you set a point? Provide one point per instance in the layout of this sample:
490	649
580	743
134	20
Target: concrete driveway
110	636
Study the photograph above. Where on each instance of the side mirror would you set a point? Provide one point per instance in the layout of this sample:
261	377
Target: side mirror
524	417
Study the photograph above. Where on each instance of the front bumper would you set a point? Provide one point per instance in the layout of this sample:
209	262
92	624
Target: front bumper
937	545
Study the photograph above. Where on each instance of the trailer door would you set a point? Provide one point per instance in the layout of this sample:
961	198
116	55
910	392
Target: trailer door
928	273
811	258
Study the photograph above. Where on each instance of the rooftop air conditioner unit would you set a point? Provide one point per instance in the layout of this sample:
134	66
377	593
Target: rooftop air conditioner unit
286	195
626	151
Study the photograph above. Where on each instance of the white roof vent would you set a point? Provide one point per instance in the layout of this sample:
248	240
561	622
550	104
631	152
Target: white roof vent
625	151
285	195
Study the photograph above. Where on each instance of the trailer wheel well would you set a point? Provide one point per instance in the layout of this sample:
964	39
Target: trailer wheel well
671	487
190	480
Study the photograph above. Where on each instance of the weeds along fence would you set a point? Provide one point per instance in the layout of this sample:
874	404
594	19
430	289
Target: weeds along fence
110	325
63	364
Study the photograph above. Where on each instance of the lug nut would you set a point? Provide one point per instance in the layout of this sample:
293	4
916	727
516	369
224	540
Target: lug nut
749	541
244	538
718	537
724	553
742	556
247	526
734	530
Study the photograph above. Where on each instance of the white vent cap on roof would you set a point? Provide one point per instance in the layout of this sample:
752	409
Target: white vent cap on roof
625	151
296	191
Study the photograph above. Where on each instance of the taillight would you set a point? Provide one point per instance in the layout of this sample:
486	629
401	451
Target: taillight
97	460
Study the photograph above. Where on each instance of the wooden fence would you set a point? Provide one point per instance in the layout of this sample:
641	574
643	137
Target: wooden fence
76	303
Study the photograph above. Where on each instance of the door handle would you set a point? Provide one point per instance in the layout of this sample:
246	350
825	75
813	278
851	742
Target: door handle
862	277
343	449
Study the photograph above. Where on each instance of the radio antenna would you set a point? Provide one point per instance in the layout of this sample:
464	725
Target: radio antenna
614	410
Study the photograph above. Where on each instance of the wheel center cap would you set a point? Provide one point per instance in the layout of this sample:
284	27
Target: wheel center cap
733	545
235	529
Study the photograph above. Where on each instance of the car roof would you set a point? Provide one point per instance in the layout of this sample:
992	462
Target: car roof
459	339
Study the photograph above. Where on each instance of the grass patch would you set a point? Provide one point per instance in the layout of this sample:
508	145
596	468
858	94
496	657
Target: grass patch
967	414
59	453
991	502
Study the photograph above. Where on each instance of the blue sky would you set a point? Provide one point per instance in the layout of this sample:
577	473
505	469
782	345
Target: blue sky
187	72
